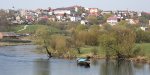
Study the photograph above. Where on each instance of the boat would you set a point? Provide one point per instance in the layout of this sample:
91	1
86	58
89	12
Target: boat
83	61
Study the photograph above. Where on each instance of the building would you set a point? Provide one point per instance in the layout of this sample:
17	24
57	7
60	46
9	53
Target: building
93	11
75	18
149	22
84	22
113	20
106	12
132	21
65	10
8	35
144	28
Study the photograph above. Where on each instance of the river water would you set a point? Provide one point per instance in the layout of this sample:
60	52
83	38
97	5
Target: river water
21	60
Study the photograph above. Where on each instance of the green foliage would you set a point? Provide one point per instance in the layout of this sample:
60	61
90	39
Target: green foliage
144	19
58	25
138	51
105	16
81	28
107	43
94	51
93	20
102	19
33	28
119	42
5	19
142	36
145	48
61	46
123	23
87	38
42	34
107	27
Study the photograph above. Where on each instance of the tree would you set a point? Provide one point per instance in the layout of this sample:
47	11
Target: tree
125	42
93	20
42	38
144	19
119	42
61	46
107	41
142	36
5	19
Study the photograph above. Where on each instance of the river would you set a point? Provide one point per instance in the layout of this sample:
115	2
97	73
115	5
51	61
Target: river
22	60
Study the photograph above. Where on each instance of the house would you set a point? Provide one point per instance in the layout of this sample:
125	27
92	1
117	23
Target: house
59	17
30	18
93	11
8	35
106	12
76	8
144	28
84	22
67	11
44	17
113	20
149	22
132	21
75	18
52	18
18	18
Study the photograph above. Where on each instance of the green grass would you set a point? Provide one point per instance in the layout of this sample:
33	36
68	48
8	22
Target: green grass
146	48
88	50
33	28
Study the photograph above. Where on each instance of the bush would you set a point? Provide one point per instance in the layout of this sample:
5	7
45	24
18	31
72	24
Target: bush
94	51
137	51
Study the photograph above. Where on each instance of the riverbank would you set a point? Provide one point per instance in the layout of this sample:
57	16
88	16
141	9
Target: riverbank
100	54
13	44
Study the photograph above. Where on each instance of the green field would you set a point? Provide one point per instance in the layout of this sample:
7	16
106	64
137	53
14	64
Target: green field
146	48
33	28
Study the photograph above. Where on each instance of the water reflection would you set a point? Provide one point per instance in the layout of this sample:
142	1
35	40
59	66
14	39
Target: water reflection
116	68
42	67
20	60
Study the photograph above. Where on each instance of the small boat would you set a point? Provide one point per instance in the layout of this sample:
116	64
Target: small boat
83	61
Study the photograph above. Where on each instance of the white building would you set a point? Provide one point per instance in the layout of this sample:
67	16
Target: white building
144	28
113	20
75	18
62	12
149	22
84	22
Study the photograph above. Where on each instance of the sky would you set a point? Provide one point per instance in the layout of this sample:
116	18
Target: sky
136	5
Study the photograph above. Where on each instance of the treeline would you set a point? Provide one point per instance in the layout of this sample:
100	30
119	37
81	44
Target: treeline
117	41
5	20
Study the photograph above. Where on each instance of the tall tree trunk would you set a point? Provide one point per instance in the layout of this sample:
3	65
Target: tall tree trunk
48	52
78	49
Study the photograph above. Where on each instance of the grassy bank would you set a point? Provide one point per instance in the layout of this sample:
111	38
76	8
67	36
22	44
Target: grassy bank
88	51
146	48
12	44
33	28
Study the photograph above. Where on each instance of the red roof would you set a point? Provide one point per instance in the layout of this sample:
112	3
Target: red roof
112	18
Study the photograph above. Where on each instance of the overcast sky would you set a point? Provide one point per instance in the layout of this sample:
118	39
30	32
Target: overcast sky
138	5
